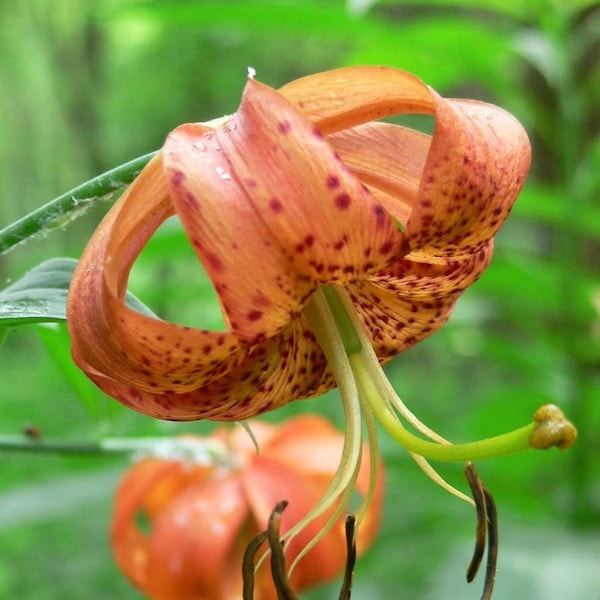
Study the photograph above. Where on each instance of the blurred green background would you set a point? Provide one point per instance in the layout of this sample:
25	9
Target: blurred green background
89	84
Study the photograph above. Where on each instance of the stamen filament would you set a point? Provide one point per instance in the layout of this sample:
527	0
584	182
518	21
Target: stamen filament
549	427
324	327
373	462
363	385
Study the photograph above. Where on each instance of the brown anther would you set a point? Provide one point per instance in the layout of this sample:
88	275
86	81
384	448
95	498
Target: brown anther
248	564
487	526
553	429
350	558
280	577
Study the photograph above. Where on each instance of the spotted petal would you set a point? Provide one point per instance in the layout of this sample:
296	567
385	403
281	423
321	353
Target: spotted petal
266	191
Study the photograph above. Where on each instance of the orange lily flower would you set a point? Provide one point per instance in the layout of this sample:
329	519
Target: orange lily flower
289	194
199	510
334	242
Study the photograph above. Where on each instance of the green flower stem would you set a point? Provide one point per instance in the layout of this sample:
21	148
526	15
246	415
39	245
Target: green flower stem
72	204
199	450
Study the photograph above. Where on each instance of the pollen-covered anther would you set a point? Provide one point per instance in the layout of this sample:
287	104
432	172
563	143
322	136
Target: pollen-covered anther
553	429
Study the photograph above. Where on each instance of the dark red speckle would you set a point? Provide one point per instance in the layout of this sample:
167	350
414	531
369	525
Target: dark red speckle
275	205
177	178
333	182
285	127
342	201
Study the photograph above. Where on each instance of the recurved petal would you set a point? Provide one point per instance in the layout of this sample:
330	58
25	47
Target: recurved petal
142	494
117	346
477	164
414	299
192	549
388	159
296	369
343	98
268	375
271	211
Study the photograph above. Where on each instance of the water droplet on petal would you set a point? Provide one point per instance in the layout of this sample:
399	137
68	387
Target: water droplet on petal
222	173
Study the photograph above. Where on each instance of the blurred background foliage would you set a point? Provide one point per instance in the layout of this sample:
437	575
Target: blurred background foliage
89	84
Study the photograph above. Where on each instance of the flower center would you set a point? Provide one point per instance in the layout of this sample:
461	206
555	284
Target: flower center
367	395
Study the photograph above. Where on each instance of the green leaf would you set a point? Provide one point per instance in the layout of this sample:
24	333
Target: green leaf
40	296
56	341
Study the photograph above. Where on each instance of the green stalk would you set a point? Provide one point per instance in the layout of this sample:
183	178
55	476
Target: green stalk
72	204
202	450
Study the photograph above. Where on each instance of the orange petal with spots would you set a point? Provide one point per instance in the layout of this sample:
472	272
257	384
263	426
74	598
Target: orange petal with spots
268	375
117	346
409	302
477	164
343	98
388	159
265	191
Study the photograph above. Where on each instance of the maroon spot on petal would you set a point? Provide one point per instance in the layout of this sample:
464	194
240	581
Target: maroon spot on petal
333	182
255	315
339	245
251	183
275	205
342	201
316	133
191	200
386	248
214	261
285	127
379	215
177	178
309	240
